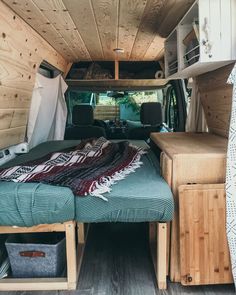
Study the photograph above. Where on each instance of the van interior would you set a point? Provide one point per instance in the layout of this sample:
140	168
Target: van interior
117	147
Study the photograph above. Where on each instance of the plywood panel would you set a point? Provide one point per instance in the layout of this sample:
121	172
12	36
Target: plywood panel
170	14
106	15
84	20
129	22
35	17
147	29
216	98
21	52
203	244
91	29
57	15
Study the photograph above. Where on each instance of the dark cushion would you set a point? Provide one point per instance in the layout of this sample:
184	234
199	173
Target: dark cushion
84	132
82	115
151	113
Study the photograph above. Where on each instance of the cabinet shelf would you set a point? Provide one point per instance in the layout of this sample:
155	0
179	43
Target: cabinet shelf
203	40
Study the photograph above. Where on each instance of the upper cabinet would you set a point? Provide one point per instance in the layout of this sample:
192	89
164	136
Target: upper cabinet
204	40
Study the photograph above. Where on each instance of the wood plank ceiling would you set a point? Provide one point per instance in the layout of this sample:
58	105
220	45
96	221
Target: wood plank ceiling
83	30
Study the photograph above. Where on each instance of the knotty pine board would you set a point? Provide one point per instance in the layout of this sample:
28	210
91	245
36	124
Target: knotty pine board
21	52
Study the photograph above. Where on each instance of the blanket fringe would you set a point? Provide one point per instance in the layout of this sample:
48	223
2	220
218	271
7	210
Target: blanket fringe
103	186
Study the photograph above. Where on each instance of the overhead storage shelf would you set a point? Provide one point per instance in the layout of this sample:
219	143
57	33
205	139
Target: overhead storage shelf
117	84
204	40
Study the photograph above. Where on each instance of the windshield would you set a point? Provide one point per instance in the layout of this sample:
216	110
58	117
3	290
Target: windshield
110	105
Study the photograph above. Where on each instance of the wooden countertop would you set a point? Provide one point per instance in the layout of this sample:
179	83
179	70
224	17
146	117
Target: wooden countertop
190	143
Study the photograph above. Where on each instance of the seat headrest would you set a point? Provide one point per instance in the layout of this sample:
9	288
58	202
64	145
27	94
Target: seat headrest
82	115
151	113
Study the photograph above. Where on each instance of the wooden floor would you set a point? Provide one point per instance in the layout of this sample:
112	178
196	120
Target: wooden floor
117	262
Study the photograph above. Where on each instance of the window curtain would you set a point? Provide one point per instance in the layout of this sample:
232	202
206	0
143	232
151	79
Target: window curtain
196	121
231	179
48	111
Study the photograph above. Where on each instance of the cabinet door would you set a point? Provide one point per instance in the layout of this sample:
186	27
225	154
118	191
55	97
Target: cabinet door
204	254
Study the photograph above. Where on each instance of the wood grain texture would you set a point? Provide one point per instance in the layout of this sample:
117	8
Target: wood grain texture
216	98
190	143
170	14
204	249
147	30
91	29
21	52
84	20
196	158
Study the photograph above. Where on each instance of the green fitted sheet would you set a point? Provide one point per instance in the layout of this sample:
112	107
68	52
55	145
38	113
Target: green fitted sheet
141	196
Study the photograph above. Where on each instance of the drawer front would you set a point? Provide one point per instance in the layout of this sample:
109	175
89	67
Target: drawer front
204	253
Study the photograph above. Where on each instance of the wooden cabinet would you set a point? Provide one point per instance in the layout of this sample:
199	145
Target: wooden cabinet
204	249
189	158
204	39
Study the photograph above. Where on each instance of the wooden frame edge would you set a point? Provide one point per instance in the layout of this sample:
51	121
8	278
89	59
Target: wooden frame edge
33	284
159	243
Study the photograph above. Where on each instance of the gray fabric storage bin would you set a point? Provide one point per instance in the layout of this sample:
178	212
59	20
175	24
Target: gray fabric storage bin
37	255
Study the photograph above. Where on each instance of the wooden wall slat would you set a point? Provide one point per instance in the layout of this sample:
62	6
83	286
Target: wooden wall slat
21	52
14	98
216	98
11	136
13	118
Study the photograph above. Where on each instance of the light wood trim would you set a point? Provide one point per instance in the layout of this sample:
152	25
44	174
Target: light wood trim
68	67
55	227
71	255
158	246
81	234
116	70
161	255
69	283
33	284
130	83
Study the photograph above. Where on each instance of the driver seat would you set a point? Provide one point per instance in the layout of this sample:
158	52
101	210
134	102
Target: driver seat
151	119
83	119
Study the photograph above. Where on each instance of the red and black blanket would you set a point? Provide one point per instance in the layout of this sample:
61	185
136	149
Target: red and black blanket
90	168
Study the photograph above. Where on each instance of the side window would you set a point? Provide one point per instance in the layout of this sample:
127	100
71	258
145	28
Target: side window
175	106
171	112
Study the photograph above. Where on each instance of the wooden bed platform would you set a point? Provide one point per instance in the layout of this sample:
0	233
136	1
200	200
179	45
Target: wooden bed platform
60	283
74	254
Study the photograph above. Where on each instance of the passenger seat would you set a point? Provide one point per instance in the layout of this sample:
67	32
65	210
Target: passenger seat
151	118
83	119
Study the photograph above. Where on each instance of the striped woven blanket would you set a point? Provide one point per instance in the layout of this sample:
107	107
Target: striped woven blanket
89	168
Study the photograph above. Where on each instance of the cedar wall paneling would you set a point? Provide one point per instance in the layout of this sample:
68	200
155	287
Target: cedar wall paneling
216	98
21	52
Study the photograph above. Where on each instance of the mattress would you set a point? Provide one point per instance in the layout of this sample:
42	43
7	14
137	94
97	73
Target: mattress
141	196
28	204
